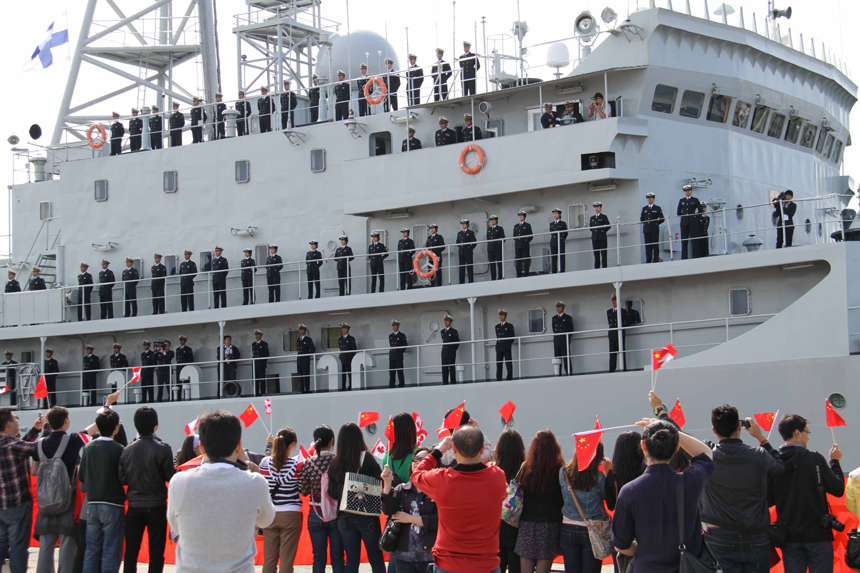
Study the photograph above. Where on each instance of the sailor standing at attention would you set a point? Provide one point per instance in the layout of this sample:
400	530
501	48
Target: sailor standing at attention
378	253
466	241
396	340
467	130
440	72
148	361
414	142
135	129
495	236
470	64
130	276
343	255
347	347
13	285
187	272
118	360
688	209
414	79
265	109
248	264
158	272
304	347
106	284
504	342
651	218
314	261
405	248
436	244
341	97
116	133
557	241
363	106
392	82
549	118
85	293
198	120
260	353
243	106
156	129
522	237
599	225
220	108
37	282
176	122
450	344
220	268
612	320
288	101
562	327
314	99
89	379
444	135
274	264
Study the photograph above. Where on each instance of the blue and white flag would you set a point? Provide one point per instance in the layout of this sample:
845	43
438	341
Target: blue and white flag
53	46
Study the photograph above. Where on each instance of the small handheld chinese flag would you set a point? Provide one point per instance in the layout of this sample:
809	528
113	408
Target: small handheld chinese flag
765	420
662	356
268	406
389	431
192	427
367	418
249	416
135	375
677	414
507	411
597	425
834	420
586	448
453	420
42	390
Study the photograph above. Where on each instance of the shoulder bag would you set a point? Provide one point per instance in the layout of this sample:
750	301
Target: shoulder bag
362	494
852	551
328	505
704	563
599	530
512	507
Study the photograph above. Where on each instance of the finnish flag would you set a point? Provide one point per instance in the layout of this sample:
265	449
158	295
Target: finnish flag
53	46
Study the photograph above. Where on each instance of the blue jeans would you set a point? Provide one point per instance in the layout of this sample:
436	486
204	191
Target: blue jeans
576	550
818	557
322	535
355	530
105	525
411	567
15	527
740	552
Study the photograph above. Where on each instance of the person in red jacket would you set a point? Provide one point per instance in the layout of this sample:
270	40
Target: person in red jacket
468	536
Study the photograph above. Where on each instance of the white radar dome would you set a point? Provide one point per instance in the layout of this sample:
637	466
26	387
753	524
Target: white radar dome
340	54
557	56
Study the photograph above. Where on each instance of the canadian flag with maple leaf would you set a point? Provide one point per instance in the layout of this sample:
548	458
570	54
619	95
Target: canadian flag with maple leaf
192	427
378	450
420	432
135	375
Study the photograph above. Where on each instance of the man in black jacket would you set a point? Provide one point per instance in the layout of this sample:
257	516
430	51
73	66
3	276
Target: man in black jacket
346	345
148	361
118	360
612	321
468	128
90	379
440	72
313	260
467	242
231	356
156	129
288	101
414	79
243	106
135	129
85	293
450	344
445	135
265	109
187	272
562	327
734	501
12	285
198	120
220	268
651	218
378	253
274	264
158	272
341	97
163	357
184	355
220	108
470	64
314	99
799	496
248	263
783	212
146	466
361	82
106	284
599	225
304	347
688	208
436	244
116	133
343	256
522	237
396	340
557	241
392	82
550	118
405	248
176	122
260	354
52	367
412	142
495	236
130	276
504	342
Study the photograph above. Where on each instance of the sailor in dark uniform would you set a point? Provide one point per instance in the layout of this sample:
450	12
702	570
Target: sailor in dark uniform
130	276
360	83
12	285
783	211
274	264
405	248
314	261
116	133
163	357
549	118
288	101
396	340
504	342
148	362
37	282
231	356
392	82
467	130
135	129
220	108
220	268
599	225
106	284
688	208
414	79
651	218
444	135
522	252
89	378
436	244
495	236
346	345
562	327
158	272
187	272
571	116
440	73
557	241
265	109
198	120
378	253
184	355
470	64
118	360
176	122
248	270
243	106
343	255
304	347
450	344
612	320
52	367
466	241
11	368
704	247
156	129
341	97
414	142
314	99
260	353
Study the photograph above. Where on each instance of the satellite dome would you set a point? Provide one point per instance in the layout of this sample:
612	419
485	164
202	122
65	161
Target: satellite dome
360	43
557	56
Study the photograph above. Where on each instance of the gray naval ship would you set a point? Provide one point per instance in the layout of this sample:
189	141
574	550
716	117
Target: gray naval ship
731	105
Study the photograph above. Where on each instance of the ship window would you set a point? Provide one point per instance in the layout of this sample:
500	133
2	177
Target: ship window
742	115
205	263
739	302
576	216
170	264
792	134
44	210
243	171
819	147
808	138
837	152
664	99
380	143
101	190
718	109
330	337
691	104
537	321
27	357
777	121
170	181
828	145
739	212
635	307
291	338
419	234
261	253
317	160
759	122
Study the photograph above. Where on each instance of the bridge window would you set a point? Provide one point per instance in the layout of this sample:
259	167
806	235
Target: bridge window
317	160
819	147
759	122
828	145
691	104
243	171
742	115
537	321
664	99
101	190
45	210
777	121
837	152
170	181
792	134
808	138
739	302
718	108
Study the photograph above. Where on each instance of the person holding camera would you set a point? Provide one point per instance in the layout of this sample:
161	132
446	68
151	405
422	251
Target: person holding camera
597	107
783	211
801	504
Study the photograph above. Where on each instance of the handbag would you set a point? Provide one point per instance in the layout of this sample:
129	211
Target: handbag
704	563
390	536
852	551
362	494
512	507
599	531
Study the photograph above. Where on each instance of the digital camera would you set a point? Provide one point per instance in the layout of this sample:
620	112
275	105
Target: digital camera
829	521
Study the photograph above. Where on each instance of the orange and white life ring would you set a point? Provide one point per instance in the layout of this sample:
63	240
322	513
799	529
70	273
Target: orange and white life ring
481	158
429	273
381	90
98	142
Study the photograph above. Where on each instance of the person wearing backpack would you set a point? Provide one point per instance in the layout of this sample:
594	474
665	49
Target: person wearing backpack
281	538
325	536
55	464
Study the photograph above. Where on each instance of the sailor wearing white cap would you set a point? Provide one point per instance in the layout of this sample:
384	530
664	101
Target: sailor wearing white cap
405	248
220	268
116	133
343	255
85	293
187	272
313	260
243	106
688	208
392	82
265	109
599	224
470	64
274	264
198	120
378	252
248	263
436	244
445	135
651	218
495	236
341	97
440	73
158	272
557	240
135	129
106	284
130	276
414	78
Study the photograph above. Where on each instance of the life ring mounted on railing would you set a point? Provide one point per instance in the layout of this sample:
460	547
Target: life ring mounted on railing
380	89
429	273
481	159
97	142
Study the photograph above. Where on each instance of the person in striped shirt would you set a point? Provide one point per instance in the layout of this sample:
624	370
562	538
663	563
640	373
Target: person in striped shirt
281	538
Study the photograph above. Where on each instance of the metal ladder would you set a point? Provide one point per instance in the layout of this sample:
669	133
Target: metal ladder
47	265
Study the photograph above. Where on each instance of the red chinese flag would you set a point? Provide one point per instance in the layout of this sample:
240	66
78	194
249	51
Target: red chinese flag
677	414
597	425
389	431
662	356
765	420
452	420
586	448
507	411
834	420
367	418
42	391
249	416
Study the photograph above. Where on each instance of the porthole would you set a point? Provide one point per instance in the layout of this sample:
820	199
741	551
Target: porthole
808	226
370	429
837	400
739	212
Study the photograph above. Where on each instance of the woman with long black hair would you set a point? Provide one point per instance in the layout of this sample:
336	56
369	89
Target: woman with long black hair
399	459
509	455
628	463
324	535
589	487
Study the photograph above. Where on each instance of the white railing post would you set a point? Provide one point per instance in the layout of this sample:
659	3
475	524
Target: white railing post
618	242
